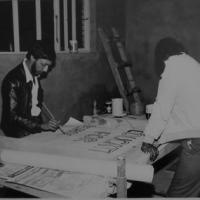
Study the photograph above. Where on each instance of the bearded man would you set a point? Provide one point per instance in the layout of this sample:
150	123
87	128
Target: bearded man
22	94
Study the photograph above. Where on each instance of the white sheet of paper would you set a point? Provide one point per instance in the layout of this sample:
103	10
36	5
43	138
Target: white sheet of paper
136	172
65	183
93	150
72	122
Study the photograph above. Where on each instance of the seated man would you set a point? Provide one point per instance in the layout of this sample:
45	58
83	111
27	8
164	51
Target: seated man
22	94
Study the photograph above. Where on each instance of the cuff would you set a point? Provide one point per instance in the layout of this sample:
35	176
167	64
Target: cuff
148	139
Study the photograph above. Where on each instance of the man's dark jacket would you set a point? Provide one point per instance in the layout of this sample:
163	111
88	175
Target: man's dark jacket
16	118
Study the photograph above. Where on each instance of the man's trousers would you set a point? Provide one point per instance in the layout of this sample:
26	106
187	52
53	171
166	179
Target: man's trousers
186	181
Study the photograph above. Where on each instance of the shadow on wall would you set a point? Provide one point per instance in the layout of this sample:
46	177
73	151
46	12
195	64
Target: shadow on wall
84	106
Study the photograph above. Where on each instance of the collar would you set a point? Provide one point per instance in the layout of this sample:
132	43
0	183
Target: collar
28	75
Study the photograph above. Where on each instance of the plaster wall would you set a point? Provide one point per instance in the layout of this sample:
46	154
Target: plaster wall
111	13
149	21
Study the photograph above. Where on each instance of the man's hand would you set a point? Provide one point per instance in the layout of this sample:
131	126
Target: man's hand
151	149
52	125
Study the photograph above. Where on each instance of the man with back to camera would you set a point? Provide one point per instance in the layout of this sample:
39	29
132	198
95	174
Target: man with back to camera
175	115
22	94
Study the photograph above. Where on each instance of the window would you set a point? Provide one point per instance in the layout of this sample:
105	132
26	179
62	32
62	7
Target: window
6	26
57	21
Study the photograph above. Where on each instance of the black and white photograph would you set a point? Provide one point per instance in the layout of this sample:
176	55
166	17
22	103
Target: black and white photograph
99	99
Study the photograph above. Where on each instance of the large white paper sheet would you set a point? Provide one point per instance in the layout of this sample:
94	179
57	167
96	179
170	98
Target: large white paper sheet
136	172
65	183
93	150
107	141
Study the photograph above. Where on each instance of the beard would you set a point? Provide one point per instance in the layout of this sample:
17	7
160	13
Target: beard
39	74
42	75
33	69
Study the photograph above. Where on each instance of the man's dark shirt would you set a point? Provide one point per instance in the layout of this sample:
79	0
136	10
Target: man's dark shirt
16	118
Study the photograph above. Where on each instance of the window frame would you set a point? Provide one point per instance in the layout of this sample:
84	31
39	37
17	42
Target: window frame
86	22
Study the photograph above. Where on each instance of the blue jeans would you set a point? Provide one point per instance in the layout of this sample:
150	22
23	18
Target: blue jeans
186	181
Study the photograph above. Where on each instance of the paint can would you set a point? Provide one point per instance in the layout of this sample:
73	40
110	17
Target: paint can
117	107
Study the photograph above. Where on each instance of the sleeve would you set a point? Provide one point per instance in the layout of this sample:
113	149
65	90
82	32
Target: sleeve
167	91
15	117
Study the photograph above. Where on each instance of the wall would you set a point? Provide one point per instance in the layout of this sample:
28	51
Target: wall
78	79
149	21
75	83
111	13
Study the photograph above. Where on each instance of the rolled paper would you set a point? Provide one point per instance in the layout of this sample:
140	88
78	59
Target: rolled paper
117	107
137	172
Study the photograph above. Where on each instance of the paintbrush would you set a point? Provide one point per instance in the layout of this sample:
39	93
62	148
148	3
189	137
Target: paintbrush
52	116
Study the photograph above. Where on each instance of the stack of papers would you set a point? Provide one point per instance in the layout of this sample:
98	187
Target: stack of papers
64	183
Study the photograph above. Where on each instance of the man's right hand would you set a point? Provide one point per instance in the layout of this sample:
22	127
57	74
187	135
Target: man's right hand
52	125
151	149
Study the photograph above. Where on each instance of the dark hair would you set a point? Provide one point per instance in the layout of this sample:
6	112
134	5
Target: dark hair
42	49
165	48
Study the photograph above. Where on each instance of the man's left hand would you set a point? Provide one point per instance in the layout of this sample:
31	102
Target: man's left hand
151	149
